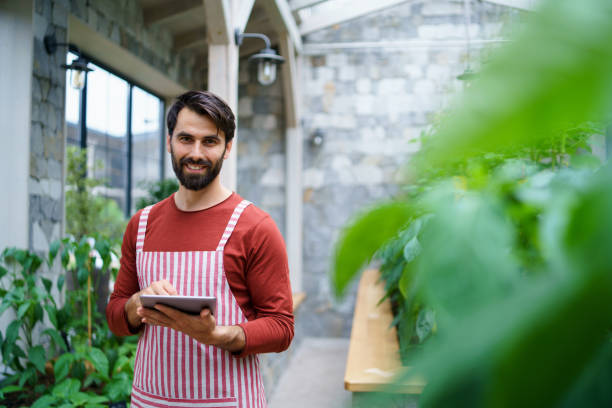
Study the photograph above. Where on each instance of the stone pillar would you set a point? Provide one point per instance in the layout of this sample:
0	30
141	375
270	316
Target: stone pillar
46	193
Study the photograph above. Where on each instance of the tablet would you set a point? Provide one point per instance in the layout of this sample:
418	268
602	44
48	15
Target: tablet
187	304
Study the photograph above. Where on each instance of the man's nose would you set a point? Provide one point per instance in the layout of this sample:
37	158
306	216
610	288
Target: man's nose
197	150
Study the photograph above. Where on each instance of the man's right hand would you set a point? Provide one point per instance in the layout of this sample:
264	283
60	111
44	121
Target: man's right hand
162	287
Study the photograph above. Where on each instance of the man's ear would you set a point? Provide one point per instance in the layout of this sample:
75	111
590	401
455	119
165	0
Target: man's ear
168	142
228	149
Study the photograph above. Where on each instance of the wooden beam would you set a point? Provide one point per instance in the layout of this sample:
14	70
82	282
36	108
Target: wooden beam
190	39
318	21
218	21
243	13
297	5
223	70
282	20
293	160
529	5
169	10
290	81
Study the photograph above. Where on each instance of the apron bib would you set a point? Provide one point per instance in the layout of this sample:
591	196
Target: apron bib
172	369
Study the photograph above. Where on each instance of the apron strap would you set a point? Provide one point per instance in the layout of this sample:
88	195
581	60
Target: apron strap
232	223
142	228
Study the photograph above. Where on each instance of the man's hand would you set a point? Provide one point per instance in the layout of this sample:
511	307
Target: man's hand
203	327
162	287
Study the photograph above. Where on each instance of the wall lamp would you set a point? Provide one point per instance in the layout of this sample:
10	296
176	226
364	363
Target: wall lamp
317	138
78	67
267	59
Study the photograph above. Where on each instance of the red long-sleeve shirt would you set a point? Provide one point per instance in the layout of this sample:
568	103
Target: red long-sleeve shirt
254	260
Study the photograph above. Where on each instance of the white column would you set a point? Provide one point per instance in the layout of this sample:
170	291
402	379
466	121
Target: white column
15	106
293	160
223	81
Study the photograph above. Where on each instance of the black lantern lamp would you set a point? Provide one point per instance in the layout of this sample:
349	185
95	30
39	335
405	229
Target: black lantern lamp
267	59
78	67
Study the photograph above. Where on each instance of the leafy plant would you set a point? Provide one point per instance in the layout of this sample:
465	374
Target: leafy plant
514	259
158	191
29	296
86	211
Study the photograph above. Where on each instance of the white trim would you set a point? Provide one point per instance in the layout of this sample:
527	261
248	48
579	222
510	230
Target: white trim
297	5
316	49
218	21
243	13
528	5
318	21
281	18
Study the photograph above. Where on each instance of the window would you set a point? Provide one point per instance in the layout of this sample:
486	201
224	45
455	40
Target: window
123	133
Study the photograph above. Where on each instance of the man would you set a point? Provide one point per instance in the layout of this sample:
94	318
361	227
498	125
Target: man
204	240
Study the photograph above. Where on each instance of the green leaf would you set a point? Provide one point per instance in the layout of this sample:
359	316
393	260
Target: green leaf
12	332
28	374
4	306
44	401
62	365
53	250
38	312
23	309
10	388
60	282
37	356
99	361
97	399
52	313
57	338
3	271
364	236
79	398
412	249
425	324
82	275
66	388
48	284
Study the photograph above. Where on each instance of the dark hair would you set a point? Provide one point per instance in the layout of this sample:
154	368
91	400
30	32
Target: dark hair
205	103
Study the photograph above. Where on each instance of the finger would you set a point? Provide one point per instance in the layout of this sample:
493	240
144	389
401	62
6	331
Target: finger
157	288
171	312
168	288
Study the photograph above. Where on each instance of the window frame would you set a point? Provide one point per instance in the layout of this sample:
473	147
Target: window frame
82	124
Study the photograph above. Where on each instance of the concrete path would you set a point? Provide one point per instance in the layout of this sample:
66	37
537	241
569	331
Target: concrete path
315	376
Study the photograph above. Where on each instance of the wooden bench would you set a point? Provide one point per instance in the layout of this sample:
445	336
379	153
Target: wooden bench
373	356
298	298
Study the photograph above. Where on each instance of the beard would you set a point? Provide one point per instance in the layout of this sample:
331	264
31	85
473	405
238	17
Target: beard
196	181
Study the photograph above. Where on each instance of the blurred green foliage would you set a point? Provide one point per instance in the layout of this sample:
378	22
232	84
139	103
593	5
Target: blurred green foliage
87	212
500	263
158	191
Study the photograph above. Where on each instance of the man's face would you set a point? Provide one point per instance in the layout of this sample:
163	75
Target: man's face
197	149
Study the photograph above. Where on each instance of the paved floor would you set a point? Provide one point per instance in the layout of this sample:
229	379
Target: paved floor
315	376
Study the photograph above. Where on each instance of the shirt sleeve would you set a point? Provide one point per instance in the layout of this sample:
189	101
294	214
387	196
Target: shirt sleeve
126	284
267	278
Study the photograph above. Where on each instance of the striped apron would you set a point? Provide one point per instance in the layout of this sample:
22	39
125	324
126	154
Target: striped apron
172	369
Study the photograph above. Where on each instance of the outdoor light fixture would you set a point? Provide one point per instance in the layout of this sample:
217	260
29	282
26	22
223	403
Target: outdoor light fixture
317	138
78	67
267	59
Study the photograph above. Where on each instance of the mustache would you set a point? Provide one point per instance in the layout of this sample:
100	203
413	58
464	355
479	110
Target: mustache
196	162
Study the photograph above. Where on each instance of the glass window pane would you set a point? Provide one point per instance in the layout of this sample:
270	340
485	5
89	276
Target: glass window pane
73	104
146	141
107	97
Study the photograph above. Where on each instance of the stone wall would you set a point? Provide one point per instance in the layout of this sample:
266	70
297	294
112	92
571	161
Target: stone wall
261	143
371	105
122	22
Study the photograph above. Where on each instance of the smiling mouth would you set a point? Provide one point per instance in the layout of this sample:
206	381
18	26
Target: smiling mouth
195	167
